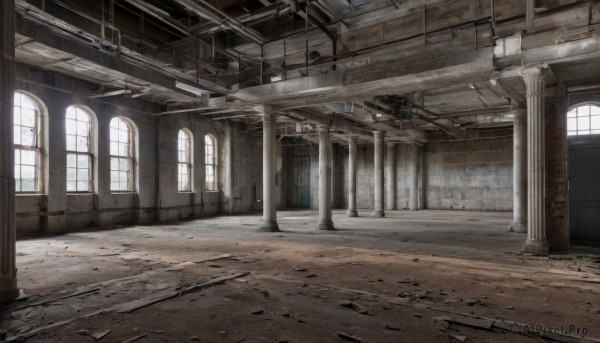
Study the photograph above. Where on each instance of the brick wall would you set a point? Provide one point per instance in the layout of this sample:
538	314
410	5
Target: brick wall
556	172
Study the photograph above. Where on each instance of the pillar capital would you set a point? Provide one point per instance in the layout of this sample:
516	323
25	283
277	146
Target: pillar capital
379	135
323	128
264	109
391	144
534	80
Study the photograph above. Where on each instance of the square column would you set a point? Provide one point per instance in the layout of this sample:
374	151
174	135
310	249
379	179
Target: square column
8	269
352	177
537	242
325	222
378	174
390	178
269	170
519	223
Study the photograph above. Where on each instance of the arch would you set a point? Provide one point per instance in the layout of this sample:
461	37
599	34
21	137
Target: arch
29	115
210	162
185	160
122	140
80	135
583	119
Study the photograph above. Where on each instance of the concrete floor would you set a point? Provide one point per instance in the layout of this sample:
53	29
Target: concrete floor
405	270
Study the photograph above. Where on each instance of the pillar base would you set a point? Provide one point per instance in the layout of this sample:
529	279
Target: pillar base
326	225
352	213
533	246
517	227
378	214
271	227
9	291
413	209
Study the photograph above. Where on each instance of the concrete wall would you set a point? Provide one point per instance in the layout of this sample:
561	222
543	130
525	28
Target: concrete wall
473	174
155	197
469	175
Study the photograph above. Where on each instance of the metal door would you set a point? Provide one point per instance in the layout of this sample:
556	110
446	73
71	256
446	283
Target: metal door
584	190
302	181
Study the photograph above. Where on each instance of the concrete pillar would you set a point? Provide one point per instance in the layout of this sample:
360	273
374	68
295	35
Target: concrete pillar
537	242
378	174
269	170
390	178
422	176
519	223
8	269
415	158
325	222
352	177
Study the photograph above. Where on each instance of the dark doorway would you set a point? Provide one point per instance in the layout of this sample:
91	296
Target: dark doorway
584	189
302	181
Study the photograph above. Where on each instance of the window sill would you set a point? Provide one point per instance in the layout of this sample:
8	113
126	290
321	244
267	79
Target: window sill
211	191
186	192
28	194
81	193
122	192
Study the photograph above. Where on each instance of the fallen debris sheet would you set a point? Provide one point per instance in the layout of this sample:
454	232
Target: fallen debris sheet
356	307
133	339
141	303
350	338
213	258
98	335
131	306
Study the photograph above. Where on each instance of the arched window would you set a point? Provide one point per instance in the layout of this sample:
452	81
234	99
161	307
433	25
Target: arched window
27	142
583	120
121	156
184	157
210	160
78	129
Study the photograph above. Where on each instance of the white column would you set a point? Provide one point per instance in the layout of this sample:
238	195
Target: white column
325	222
352	177
519	223
8	269
269	170
390	177
378	174
537	242
413	166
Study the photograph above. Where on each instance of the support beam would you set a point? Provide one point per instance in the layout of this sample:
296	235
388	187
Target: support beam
415	158
519	223
57	34
269	169
537	242
390	179
8	270
352	177
325	221
378	174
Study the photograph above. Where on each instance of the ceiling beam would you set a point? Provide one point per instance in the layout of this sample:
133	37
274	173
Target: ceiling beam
57	34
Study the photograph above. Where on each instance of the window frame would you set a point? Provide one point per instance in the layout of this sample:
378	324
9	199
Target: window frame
583	132
189	165
131	182
213	165
90	151
36	148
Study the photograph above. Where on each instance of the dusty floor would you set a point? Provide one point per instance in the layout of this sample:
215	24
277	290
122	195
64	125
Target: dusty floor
405	270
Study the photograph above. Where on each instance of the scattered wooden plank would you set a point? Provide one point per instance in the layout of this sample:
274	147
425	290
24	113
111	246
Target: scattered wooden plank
98	335
472	321
213	258
350	338
141	303
133	339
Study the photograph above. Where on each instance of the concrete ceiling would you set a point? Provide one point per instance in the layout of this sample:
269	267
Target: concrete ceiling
231	49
